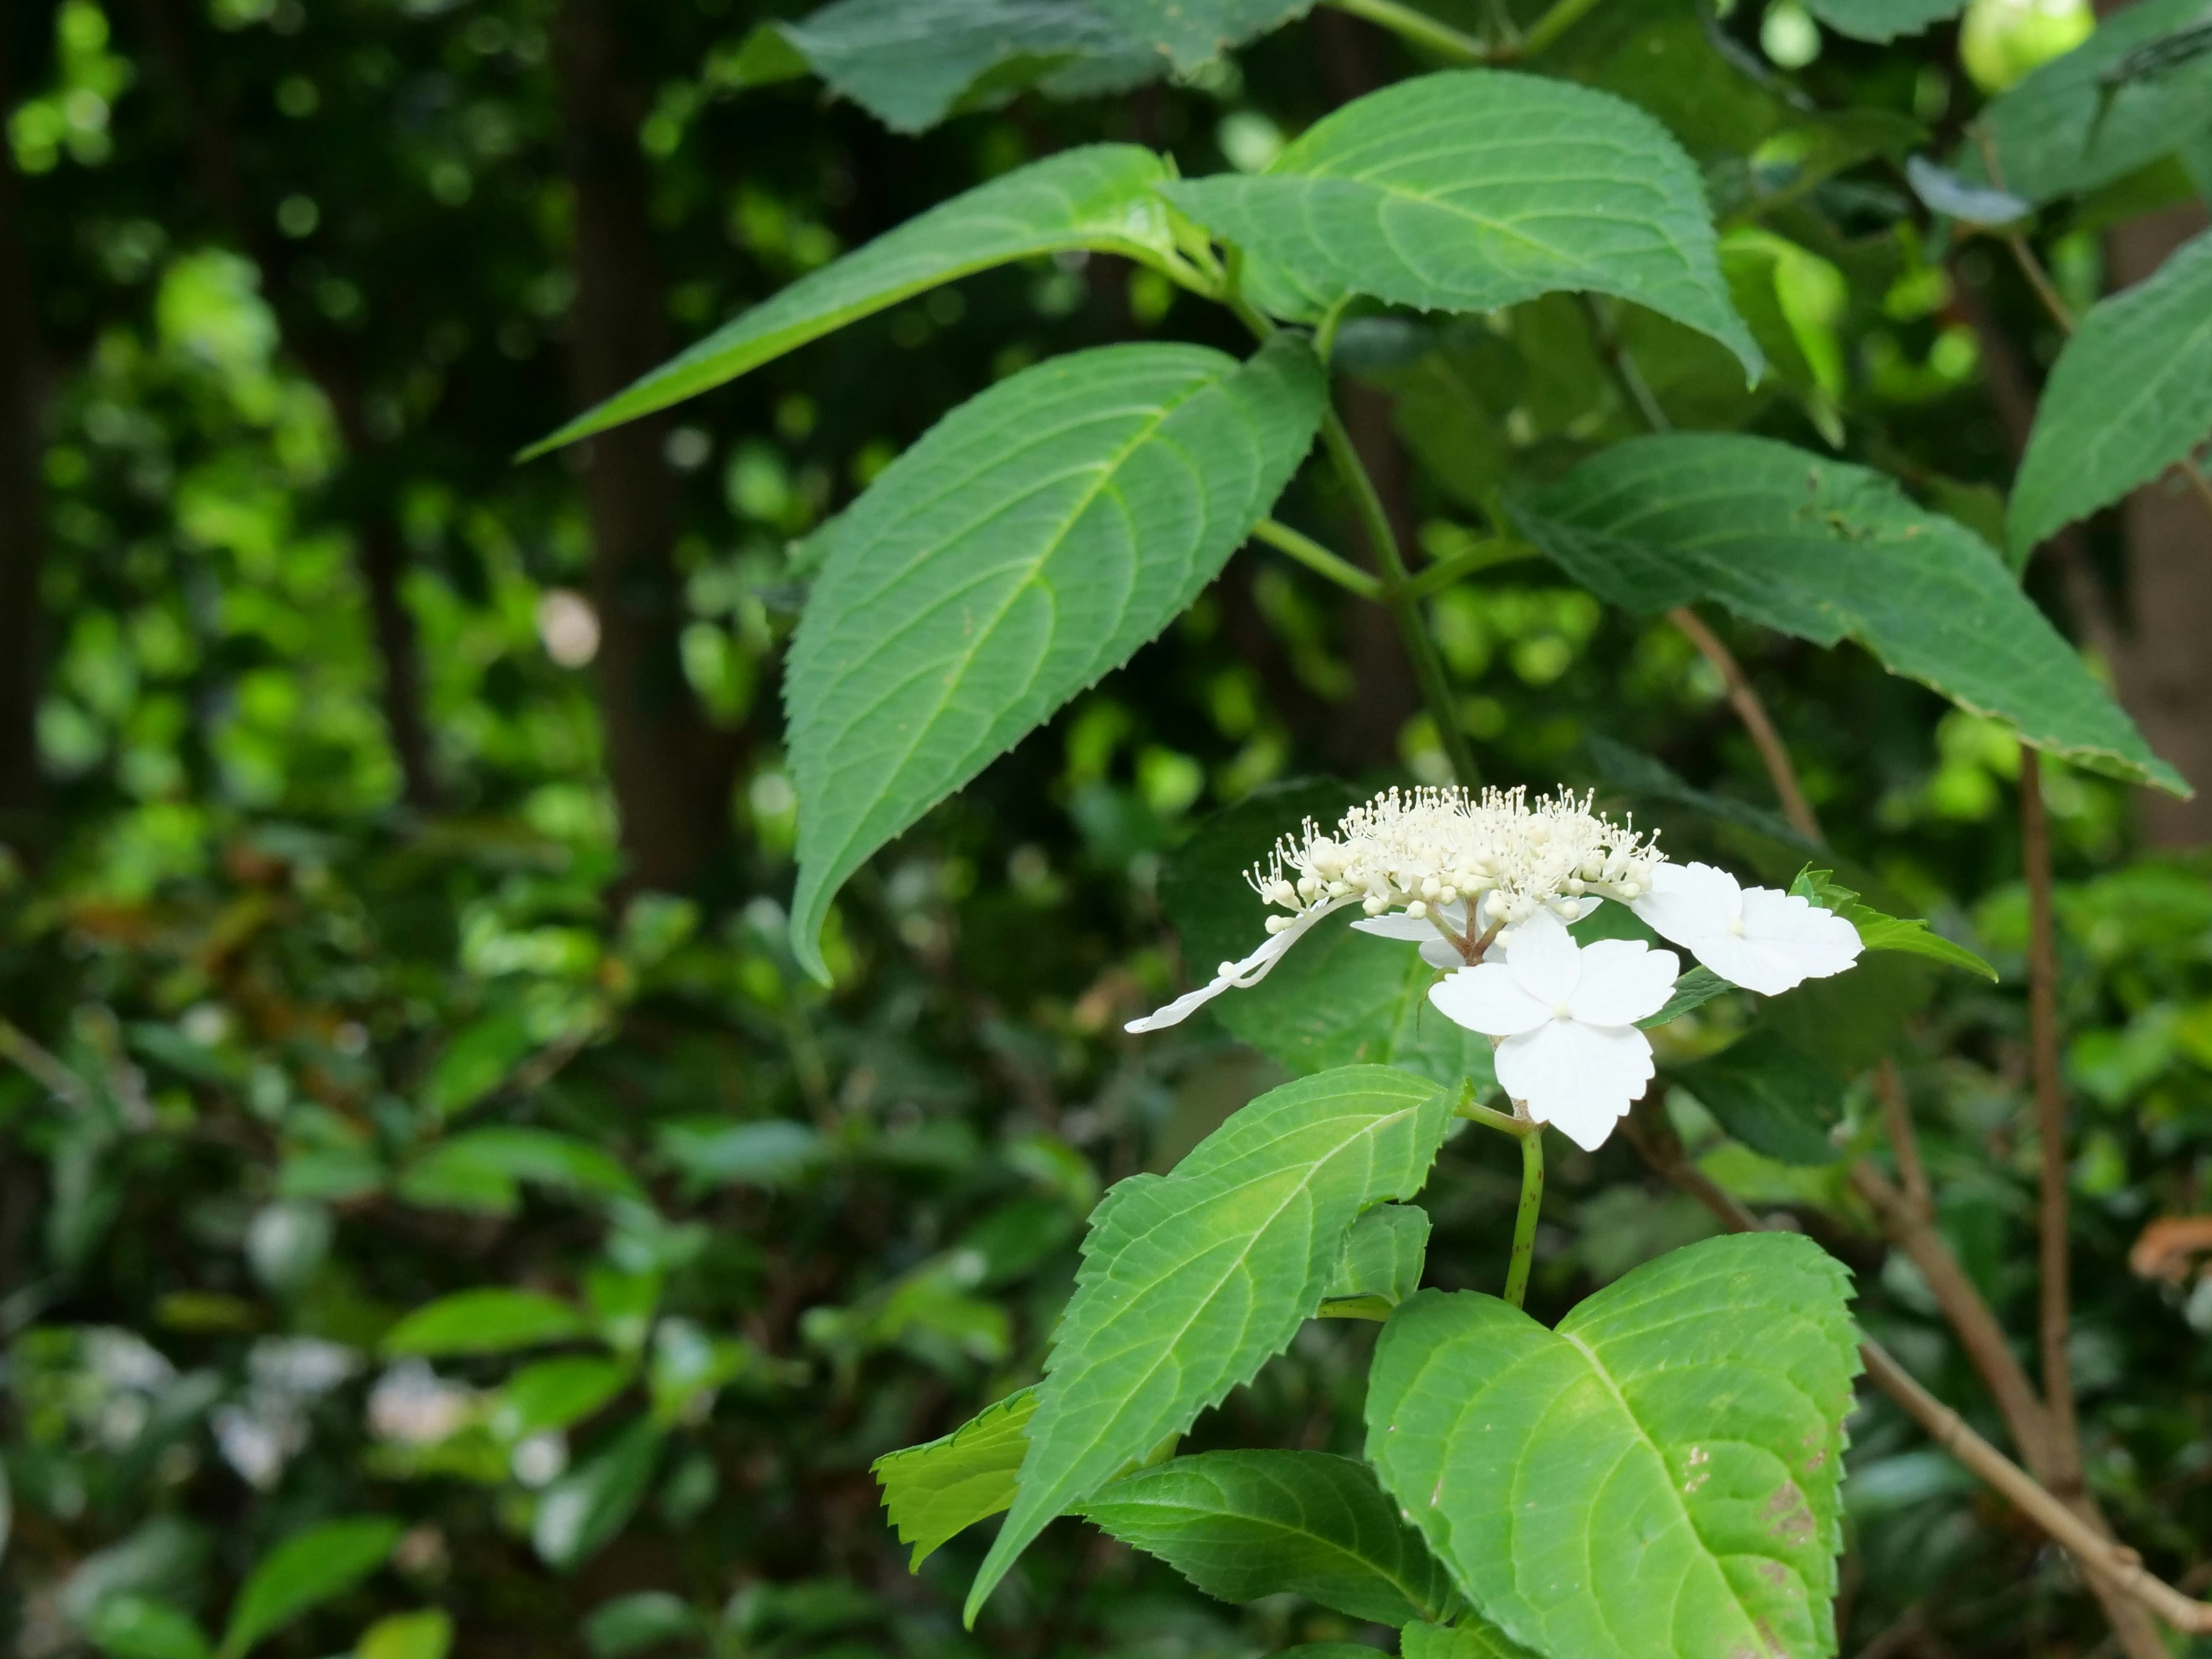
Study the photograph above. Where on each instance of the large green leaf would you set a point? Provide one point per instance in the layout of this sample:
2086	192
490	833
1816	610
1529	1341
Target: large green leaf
1657	1479
1771	1095
1192	1281
301	1573
2129	396
491	1321
1381	1266
1472	189
1882	20
1823	550
1340	998
2122	98
1098	197
935	1490
1244	1524
1030	542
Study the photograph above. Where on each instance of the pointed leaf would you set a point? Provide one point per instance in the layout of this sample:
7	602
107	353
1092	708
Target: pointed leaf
1339	999
1878	932
1657	1477
1030	542
301	1573
485	1321
1472	189
1381	1266
1693	990
2137	89
556	1394
578	1515
1099	197
935	1490
1823	550
1190	1283
141	1627
2130	395
1244	1524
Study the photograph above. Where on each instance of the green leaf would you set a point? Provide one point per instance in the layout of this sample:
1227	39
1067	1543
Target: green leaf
2115	102
1472	189
479	1170
556	1394
141	1627
1882	20
485	1321
1468	1639
1193	1281
1823	550
714	1153
1244	1524
1098	197
1769	1095
2130	395
1657	1477
1693	990
1031	541
304	1571
935	1490
578	1515
1340	998
1878	932
629	1623
1381	1266
479	1058
1193	33
1639	773
426	1634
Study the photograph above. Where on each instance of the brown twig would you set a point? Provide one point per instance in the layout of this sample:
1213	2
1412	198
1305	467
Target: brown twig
1753	713
1904	1140
2056	1313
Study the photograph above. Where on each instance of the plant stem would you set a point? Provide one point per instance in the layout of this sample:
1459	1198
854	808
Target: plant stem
1318	559
1504	1122
1563	16
1419	29
2050	1117
1524	1218
1413	630
1634	388
1751	712
1495	549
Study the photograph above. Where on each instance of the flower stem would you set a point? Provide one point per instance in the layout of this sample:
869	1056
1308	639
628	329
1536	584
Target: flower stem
1390	565
1524	1220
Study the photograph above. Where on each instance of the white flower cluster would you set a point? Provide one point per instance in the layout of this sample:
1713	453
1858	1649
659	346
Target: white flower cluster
1448	850
1458	874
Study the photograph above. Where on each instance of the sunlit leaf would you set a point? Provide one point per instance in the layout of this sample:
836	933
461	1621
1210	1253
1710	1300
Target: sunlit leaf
935	1490
1472	189
485	1321
1657	1479
427	1634
1192	1281
1878	932
301	1573
1381	1266
578	1515
1030	542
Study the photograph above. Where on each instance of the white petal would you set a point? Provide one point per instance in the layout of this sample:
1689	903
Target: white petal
1582	1078
1442	953
1690	902
1397	925
1821	941
1545	958
1624	980
1488	999
1744	962
1238	976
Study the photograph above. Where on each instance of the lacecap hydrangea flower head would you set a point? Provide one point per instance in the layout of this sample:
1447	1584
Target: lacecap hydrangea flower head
1486	885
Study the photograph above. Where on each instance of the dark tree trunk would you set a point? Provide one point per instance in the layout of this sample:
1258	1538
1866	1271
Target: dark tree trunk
2165	674
23	526
671	776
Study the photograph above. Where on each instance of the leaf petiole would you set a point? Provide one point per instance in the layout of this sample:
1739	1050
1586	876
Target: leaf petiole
1318	559
1524	1219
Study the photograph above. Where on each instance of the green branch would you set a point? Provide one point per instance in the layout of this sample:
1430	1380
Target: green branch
1524	1218
1318	559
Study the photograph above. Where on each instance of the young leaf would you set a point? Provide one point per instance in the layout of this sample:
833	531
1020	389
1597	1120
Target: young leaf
1098	197
301	1573
2116	102
1769	1095
1878	932
1823	550
485	1321
1381	1266
1193	1281
1882	20
1342	997
1475	189
427	1634
580	1514
2130	395
1244	1524
1032	540
935	1490
141	1627
1693	990
1658	1477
